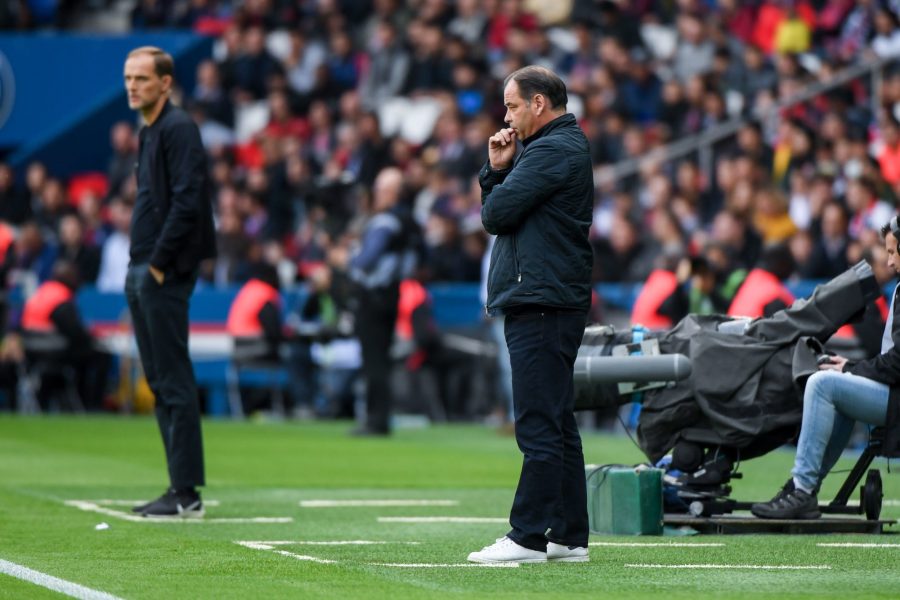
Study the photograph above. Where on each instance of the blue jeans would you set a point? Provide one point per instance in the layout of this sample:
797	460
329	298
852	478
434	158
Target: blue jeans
832	403
551	499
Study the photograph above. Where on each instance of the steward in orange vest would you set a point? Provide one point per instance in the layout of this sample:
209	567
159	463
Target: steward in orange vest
255	313
763	294
52	310
660	284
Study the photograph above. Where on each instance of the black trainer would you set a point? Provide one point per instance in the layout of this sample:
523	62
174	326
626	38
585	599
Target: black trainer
140	508
789	504
185	504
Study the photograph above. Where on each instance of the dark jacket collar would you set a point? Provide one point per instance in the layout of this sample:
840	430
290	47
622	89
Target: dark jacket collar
165	109
560	121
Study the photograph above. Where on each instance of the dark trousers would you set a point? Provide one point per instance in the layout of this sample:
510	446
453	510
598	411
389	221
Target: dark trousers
551	499
160	318
375	319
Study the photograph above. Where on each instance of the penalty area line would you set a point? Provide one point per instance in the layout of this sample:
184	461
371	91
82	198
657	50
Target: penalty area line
55	584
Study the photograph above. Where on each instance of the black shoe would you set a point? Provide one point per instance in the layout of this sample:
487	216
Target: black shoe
789	504
179	505
785	490
140	508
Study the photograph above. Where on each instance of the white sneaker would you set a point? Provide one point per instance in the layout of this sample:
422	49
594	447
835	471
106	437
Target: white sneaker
560	553
506	550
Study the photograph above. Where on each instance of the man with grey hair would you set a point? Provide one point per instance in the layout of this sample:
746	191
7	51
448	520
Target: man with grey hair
539	204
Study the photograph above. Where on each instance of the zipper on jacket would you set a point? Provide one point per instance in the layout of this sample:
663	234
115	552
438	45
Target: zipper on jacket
516	257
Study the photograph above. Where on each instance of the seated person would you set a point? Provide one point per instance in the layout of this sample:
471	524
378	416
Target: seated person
52	311
321	376
837	396
254	319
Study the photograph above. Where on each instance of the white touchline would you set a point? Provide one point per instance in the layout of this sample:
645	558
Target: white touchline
53	583
270	546
765	567
656	545
326	543
376	503
856	545
91	506
442	520
111	502
504	565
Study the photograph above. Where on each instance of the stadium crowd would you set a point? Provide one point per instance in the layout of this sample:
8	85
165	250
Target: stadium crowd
305	102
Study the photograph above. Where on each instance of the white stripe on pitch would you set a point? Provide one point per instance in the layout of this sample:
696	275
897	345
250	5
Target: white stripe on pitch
111	502
656	544
326	543
501	565
763	567
443	520
50	582
89	506
375	503
856	545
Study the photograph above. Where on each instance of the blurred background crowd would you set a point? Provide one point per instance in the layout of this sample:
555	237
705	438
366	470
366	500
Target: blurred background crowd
304	102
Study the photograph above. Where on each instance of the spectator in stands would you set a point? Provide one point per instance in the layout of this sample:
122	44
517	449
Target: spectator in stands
388	67
254	65
114	255
32	258
73	248
829	254
303	62
15	208
172	231
124	154
212	95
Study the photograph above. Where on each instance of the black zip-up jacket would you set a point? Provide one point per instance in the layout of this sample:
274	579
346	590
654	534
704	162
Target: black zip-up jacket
541	210
885	368
180	189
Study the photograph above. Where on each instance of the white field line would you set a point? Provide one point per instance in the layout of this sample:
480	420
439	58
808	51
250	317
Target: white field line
501	565
443	520
270	546
856	545
321	561
375	503
760	567
50	582
110	502
327	543
90	506
656	545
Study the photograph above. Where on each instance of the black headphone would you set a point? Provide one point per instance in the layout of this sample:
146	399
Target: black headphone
895	229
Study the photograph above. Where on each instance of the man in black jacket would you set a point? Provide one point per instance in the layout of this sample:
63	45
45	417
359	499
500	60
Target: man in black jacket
171	232
836	397
539	205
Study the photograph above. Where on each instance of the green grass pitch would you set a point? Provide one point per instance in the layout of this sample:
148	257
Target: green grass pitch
266	470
